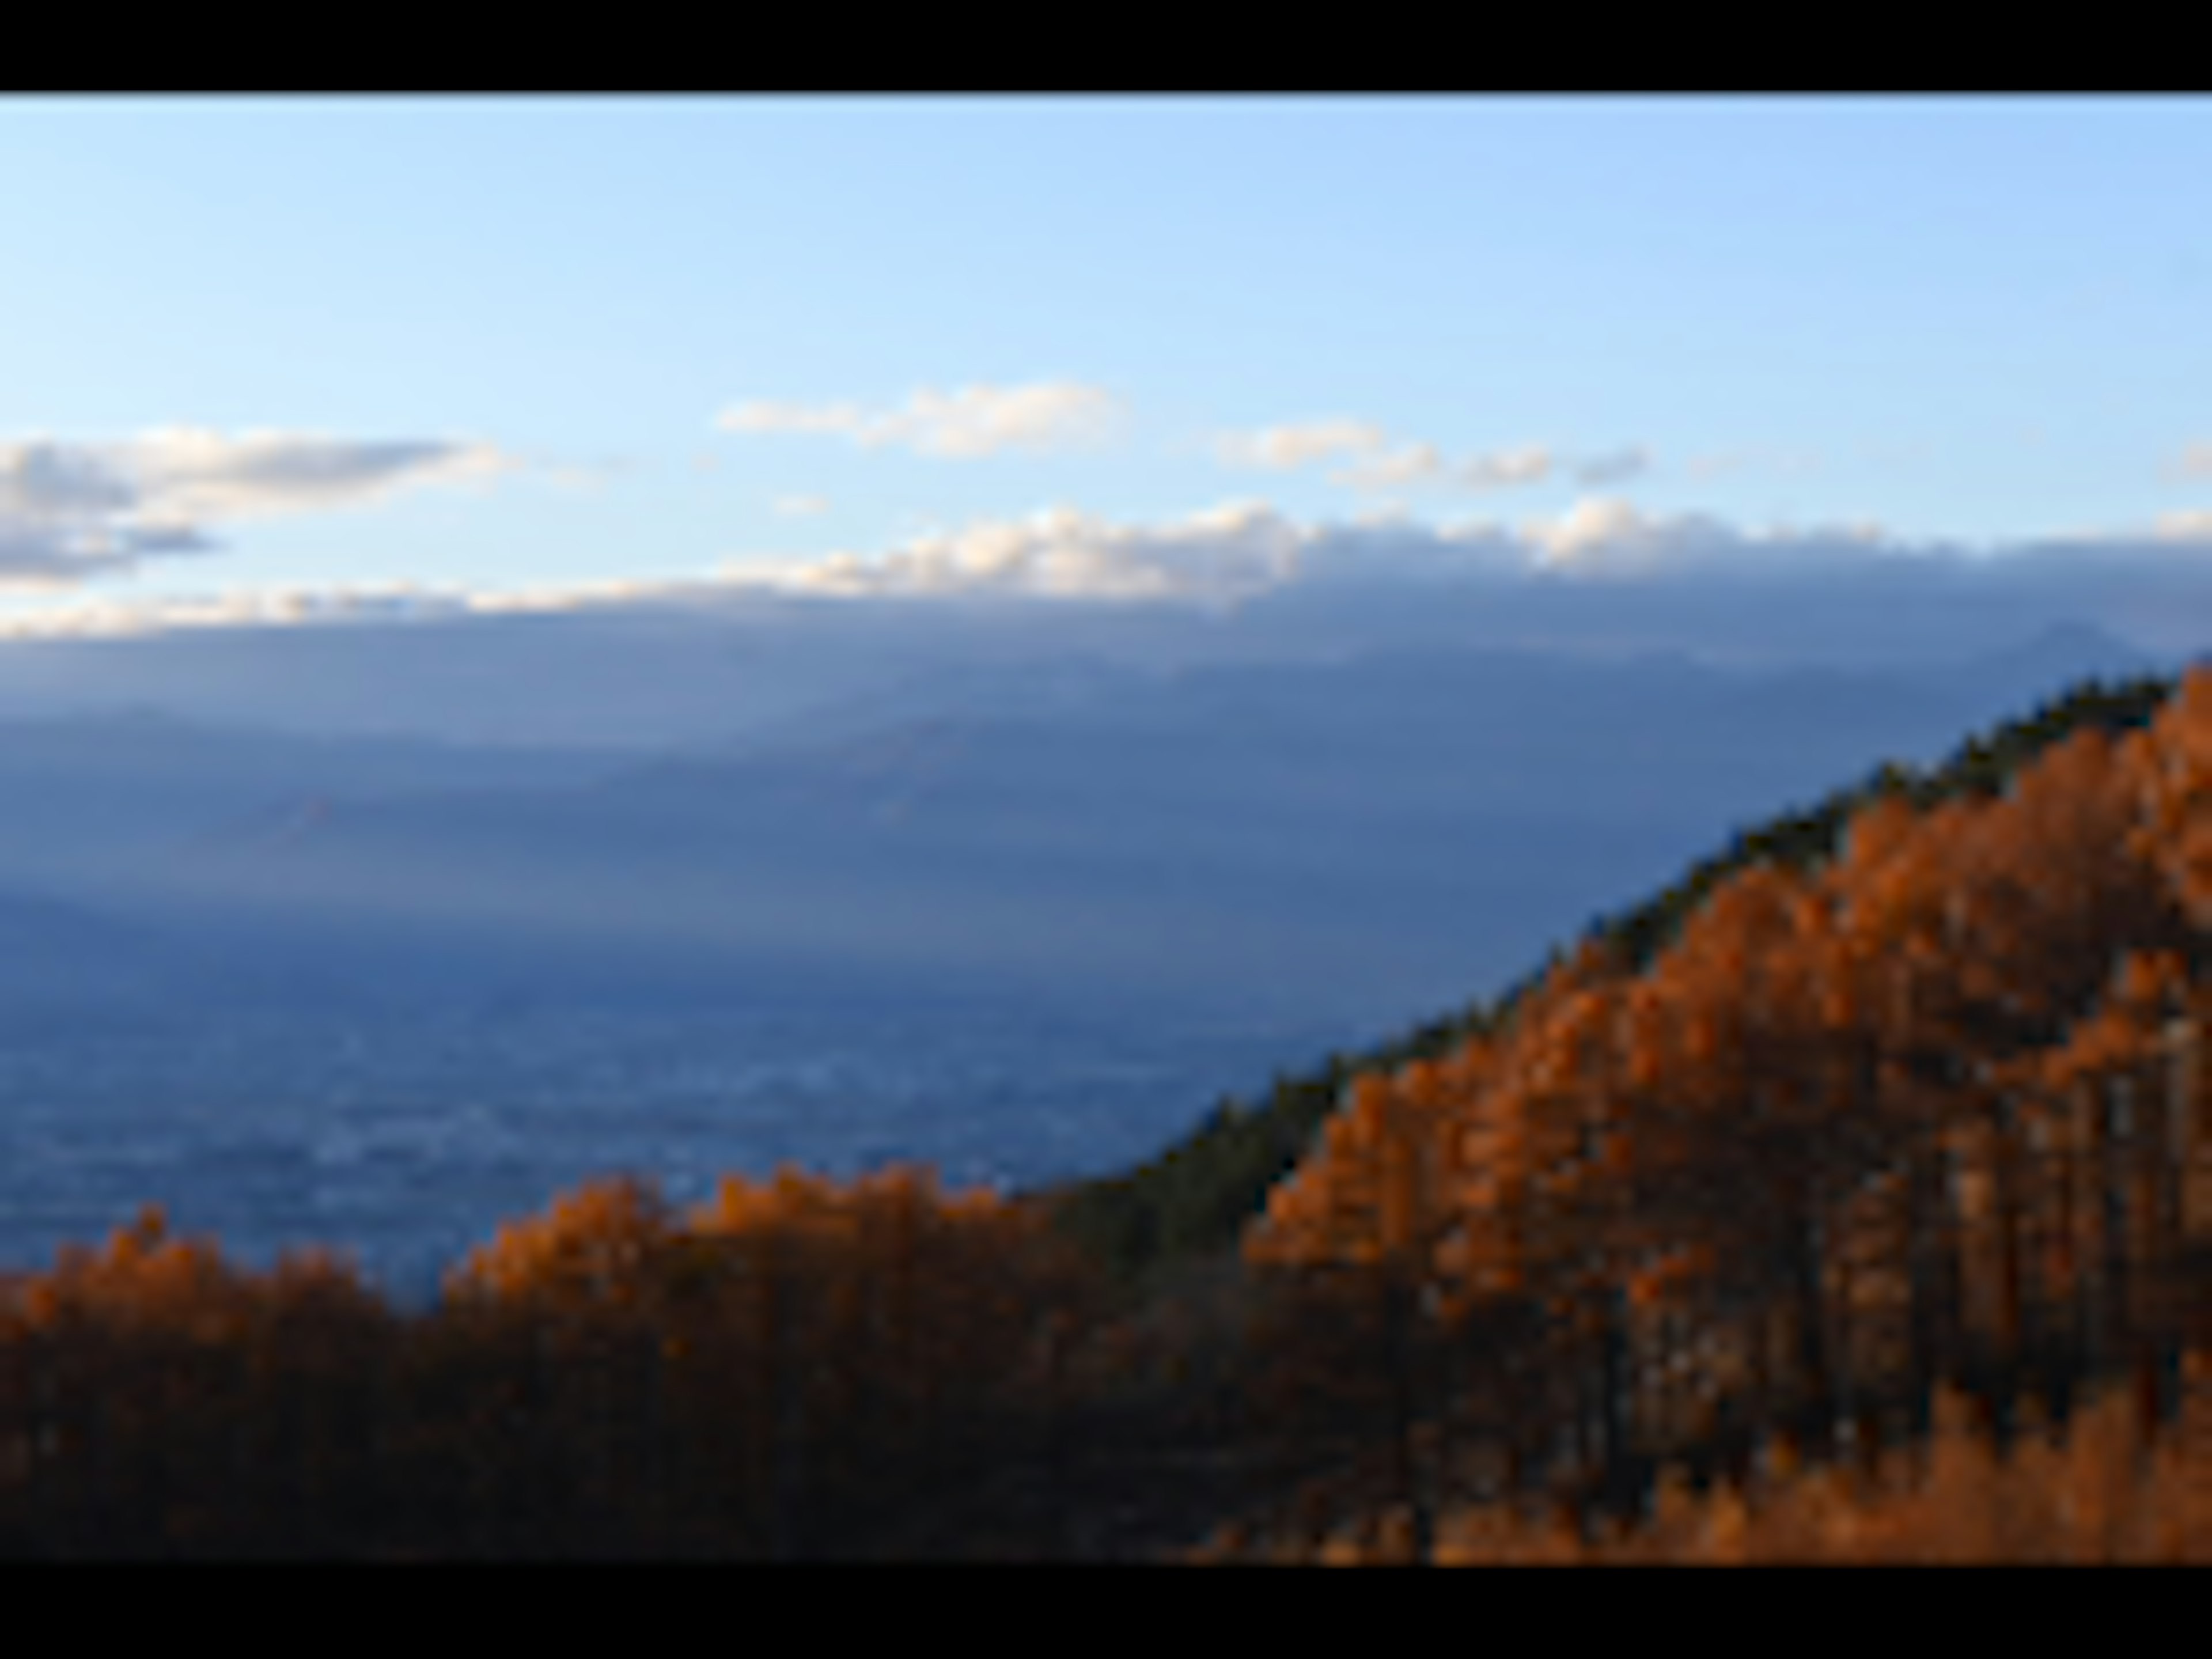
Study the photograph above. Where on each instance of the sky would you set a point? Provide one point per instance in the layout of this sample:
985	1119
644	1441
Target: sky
557	352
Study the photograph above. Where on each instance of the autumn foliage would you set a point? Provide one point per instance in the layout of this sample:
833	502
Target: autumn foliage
788	1371
1926	1114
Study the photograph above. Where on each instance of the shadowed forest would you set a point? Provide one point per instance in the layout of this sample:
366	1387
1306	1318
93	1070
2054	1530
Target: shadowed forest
1852	1199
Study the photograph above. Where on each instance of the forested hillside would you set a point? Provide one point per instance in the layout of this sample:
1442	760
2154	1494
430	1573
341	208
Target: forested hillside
1927	1109
1902	1098
1196	1195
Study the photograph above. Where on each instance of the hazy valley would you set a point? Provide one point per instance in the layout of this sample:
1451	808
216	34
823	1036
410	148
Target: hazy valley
1024	922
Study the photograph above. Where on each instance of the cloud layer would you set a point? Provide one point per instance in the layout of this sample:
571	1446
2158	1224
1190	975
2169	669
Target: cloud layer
967	424
1602	574
1219	555
72	511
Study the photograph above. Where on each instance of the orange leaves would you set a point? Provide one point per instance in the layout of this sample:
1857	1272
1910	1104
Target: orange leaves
605	1375
798	1258
2181	739
143	1278
1646	1025
1801	1030
2176	784
1879	839
1363	1197
596	1243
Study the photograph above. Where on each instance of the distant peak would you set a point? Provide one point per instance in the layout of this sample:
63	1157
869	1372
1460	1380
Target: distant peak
2078	639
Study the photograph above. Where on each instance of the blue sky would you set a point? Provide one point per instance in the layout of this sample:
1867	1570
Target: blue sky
532	343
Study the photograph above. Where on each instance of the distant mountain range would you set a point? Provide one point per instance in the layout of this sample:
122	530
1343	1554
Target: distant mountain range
1392	830
98	799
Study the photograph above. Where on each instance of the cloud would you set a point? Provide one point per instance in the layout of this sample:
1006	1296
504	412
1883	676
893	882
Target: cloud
72	511
1600	573
2191	526
834	420
1423	462
1607	535
967	424
2195	461
40	480
1605	575
1220	554
1530	464
1602	534
1281	448
612	592
1614	468
1415	463
258	607
1376	465
1223	555
793	507
193	473
35	555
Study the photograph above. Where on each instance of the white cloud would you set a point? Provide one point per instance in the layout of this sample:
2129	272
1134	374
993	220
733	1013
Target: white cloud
793	507
193	473
2190	525
69	511
1600	568
2194	461
1532	463
1411	465
1216	556
1283	447
43	480
836	419
973	421
1595	527
1605	535
1062	553
1376	465
1219	555
274	606
606	592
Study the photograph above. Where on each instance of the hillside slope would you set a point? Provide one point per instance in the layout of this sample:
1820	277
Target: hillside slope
1195	1197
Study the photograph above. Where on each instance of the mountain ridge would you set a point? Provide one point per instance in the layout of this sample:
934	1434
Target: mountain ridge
1222	831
